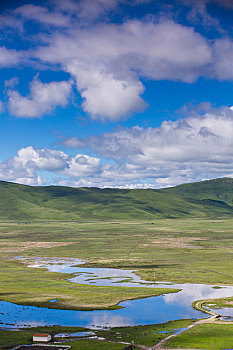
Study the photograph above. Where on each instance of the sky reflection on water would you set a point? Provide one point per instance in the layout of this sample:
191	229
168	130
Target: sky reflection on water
142	311
150	310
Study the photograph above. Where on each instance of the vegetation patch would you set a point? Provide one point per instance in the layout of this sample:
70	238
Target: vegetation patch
111	339
148	335
204	336
219	303
28	286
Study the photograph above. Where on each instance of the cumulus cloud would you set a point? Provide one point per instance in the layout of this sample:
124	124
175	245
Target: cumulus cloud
105	96
108	60
82	165
190	149
43	159
43	99
25	167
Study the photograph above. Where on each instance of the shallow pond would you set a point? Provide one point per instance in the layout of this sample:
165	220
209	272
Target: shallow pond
151	310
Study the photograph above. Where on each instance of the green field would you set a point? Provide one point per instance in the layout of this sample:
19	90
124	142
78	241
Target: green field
205	336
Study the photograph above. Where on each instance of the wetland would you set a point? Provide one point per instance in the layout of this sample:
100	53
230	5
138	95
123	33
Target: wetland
102	275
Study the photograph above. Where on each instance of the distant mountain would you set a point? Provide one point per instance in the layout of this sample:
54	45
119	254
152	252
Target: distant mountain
213	198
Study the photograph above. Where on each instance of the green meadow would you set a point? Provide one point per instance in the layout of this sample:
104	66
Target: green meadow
176	250
180	250
204	336
182	234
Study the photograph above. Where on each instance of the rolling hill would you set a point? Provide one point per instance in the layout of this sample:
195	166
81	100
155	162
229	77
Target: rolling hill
212	198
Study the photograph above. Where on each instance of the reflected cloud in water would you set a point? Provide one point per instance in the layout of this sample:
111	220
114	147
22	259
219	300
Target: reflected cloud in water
150	310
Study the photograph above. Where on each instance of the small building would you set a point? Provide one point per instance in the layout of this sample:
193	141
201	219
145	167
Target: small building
42	337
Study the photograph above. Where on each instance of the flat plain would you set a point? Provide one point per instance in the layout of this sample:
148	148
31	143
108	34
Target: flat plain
176	250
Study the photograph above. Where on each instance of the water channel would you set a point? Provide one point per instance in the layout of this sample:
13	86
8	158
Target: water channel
150	310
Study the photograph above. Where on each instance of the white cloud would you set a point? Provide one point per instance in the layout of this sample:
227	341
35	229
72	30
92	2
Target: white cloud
222	68
108	60
9	57
82	165
105	96
11	82
43	99
43	159
9	22
187	150
26	166
190	149
88	9
42	14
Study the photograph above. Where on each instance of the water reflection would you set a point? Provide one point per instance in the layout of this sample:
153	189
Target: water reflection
151	310
135	312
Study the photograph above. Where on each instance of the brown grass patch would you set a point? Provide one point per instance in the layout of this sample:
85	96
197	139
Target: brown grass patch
173	242
10	247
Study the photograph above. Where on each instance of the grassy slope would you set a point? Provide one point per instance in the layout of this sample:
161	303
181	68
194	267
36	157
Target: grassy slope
205	199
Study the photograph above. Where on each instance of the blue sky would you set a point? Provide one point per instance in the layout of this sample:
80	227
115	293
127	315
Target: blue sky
116	93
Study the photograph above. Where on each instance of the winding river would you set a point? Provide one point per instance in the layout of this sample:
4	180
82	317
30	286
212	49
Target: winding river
150	310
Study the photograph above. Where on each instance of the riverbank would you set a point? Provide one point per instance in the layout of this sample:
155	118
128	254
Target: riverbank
27	286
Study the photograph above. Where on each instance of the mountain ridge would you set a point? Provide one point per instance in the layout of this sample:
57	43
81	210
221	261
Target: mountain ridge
210	199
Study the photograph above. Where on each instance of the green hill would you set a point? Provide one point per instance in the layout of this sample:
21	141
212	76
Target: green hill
213	198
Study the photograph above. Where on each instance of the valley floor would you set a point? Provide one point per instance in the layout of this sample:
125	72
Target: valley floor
176	250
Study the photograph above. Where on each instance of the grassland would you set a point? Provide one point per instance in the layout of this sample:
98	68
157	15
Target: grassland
177	250
144	335
140	335
208	199
204	336
11	339
219	303
181	234
187	250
